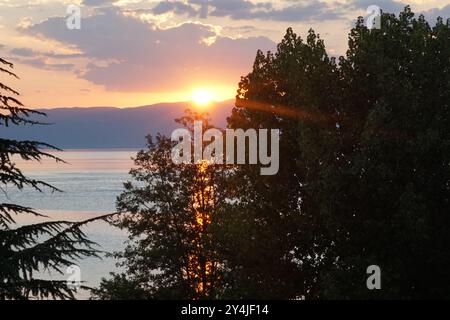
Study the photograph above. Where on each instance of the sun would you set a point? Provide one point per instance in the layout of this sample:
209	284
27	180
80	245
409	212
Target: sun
202	97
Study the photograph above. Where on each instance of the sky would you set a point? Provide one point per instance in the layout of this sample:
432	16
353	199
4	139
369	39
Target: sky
130	52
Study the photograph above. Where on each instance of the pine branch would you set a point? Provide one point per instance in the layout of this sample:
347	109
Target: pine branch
33	248
7	208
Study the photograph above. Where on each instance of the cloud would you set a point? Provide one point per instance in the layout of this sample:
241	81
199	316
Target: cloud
98	3
129	54
390	6
23	52
25	22
42	60
246	10
241	29
434	13
42	63
291	11
175	7
312	10
396	7
27	52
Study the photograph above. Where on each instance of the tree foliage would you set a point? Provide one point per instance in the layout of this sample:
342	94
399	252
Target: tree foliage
167	210
370	167
364	177
28	249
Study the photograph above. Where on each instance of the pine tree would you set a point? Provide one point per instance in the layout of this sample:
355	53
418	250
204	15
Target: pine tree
28	249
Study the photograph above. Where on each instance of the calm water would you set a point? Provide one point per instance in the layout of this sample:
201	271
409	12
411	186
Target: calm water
90	181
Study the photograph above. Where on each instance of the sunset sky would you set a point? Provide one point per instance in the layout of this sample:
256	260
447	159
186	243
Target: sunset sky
131	52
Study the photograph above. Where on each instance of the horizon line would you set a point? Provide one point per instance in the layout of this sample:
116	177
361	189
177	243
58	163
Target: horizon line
134	107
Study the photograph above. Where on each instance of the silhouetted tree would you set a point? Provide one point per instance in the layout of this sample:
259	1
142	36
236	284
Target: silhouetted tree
28	249
364	155
168	209
364	178
283	244
389	193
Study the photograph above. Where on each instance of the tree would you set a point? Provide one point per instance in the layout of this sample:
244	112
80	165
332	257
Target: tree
295	85
366	154
167	210
364	178
47	246
391	195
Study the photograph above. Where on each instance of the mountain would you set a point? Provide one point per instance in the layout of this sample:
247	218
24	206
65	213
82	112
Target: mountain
107	127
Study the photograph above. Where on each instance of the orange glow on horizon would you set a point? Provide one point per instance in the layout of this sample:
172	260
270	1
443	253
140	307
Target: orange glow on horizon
202	97
38	90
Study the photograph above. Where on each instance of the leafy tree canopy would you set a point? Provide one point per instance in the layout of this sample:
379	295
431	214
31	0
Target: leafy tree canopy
364	178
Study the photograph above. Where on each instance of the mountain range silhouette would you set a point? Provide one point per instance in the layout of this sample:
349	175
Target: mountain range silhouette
109	127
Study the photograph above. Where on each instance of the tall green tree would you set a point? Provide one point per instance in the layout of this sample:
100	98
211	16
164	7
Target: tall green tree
364	178
28	249
167	210
365	155
391	197
286	245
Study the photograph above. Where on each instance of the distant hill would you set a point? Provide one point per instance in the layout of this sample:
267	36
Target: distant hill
107	127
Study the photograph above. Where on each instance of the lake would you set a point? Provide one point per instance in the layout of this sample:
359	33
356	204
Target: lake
90	182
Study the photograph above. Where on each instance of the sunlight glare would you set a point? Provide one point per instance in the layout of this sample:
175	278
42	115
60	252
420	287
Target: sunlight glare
201	97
